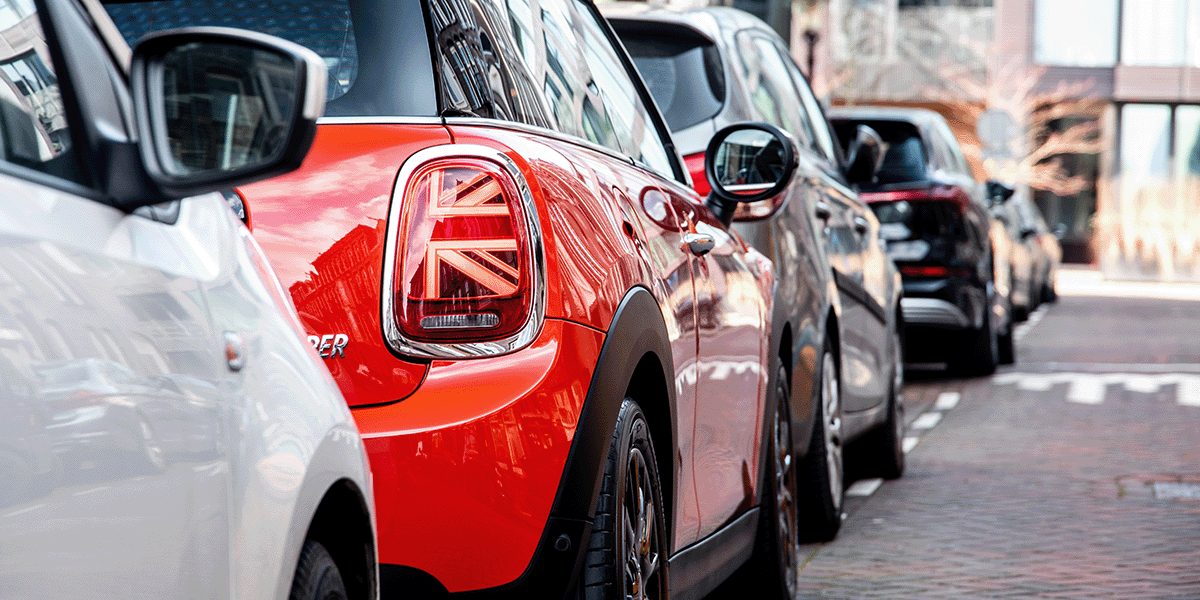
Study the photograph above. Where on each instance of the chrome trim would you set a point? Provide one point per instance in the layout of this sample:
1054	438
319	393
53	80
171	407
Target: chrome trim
380	121
932	311
537	309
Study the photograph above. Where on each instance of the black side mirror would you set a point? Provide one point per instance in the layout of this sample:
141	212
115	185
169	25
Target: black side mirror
998	193
748	162
218	108
864	155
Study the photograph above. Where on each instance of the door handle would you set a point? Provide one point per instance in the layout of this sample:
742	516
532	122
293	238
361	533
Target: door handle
861	225
699	243
822	211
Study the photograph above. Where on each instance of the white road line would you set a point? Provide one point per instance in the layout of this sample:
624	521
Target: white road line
86	492
1187	392
864	487
927	420
947	400
24	510
910	443
1087	391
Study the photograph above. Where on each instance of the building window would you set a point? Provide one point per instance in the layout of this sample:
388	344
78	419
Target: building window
1153	33
1075	33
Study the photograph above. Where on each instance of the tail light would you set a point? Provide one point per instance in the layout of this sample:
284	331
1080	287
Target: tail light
464	257
935	271
943	193
695	166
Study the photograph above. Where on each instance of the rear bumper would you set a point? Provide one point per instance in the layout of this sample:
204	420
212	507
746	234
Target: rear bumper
933	312
466	469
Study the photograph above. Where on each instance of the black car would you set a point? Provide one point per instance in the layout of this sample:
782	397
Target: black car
952	254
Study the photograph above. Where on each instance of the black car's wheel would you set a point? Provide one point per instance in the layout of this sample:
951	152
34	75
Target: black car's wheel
773	569
1006	347
626	558
317	576
980	352
822	489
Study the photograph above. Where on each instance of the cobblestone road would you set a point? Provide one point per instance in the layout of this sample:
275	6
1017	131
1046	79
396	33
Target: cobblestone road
1073	474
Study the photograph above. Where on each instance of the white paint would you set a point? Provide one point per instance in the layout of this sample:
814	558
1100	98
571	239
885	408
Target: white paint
1091	388
90	491
927	420
1165	490
24	510
1088	390
864	487
910	443
947	400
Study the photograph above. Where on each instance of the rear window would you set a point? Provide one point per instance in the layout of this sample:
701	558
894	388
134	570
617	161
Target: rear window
683	72
906	155
354	37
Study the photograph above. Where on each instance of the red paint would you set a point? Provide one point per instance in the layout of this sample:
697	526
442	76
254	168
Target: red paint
936	193
695	166
466	469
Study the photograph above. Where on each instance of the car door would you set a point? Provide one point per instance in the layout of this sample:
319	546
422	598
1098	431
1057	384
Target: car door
729	310
100	306
858	260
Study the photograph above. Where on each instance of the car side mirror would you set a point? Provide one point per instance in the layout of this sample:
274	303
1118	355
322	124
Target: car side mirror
748	163
864	156
218	107
998	193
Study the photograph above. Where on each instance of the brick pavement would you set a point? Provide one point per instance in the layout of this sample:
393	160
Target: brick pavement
1022	493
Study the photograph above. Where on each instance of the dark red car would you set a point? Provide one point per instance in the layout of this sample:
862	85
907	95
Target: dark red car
557	354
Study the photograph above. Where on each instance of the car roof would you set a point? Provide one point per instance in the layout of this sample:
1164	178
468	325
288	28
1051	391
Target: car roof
920	117
711	21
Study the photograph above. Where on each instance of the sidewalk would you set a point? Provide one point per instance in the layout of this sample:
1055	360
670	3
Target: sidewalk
1083	280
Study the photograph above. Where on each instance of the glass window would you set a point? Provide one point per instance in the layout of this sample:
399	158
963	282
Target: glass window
32	115
1187	142
904	159
822	139
1145	135
1152	32
684	74
1075	33
623	109
769	85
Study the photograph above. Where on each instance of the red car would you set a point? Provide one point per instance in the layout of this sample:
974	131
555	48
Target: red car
555	351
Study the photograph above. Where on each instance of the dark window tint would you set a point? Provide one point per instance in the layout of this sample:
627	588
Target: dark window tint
683	72
921	219
906	156
357	39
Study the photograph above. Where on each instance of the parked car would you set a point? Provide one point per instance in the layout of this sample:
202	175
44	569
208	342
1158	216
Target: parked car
175	437
953	256
555	351
709	68
1026	255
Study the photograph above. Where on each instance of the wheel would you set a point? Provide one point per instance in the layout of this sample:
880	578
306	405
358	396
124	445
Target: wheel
317	576
626	558
822	491
775	565
980	353
1049	295
1006	347
880	453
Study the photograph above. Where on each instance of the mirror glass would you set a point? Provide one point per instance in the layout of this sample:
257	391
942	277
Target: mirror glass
227	106
749	161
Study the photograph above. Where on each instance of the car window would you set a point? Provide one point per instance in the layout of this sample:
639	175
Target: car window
822	138
905	158
356	38
769	85
33	120
682	70
634	130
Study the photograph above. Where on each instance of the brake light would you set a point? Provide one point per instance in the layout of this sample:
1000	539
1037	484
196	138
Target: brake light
465	257
695	166
934	271
944	193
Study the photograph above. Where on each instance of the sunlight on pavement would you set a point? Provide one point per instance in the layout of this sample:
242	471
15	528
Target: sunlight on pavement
1089	282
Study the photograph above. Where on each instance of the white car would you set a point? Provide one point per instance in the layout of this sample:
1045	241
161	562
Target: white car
165	429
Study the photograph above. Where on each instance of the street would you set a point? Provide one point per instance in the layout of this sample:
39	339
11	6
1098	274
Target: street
1074	473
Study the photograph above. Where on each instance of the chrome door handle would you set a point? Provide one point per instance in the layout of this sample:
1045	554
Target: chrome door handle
822	211
699	243
861	225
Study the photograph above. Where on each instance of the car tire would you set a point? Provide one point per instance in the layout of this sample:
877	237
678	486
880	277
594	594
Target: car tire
1006	347
980	352
626	556
774	568
822	491
317	575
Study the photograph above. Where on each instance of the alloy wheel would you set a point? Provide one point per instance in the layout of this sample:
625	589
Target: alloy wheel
785	501
831	413
642	544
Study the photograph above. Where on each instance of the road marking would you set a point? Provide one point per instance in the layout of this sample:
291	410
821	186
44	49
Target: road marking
910	443
86	492
927	420
947	400
24	510
864	487
1091	388
1022	329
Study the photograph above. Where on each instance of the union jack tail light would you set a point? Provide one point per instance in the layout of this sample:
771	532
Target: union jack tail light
466	258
